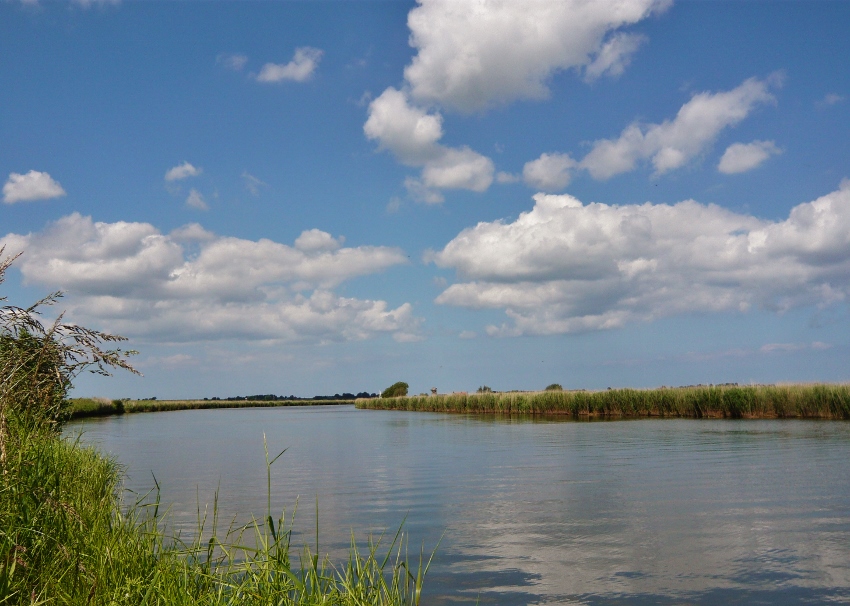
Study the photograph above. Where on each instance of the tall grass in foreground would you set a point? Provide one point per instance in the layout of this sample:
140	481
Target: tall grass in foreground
64	540
744	402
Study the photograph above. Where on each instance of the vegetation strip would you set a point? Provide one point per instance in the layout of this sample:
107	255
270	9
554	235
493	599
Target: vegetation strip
99	407
821	401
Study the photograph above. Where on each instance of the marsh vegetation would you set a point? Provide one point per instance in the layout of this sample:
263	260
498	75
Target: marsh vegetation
727	402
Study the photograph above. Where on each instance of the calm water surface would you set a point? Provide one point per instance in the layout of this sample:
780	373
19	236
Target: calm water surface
534	512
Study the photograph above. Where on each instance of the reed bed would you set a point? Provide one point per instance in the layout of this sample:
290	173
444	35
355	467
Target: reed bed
92	407
813	401
65	539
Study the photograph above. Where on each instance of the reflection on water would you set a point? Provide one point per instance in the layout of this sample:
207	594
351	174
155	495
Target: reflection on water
548	511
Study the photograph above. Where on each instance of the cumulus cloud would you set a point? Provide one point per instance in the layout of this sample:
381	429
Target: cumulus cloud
550	172
182	171
472	55
412	134
565	266
193	285
196	200
300	69
673	143
34	185
741	157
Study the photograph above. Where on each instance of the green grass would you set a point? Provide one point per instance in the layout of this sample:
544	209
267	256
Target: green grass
91	407
65	541
816	401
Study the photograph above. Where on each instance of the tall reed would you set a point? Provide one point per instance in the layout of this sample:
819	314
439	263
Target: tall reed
816	401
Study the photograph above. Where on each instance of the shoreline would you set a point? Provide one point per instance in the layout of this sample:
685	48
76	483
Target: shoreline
808	401
82	408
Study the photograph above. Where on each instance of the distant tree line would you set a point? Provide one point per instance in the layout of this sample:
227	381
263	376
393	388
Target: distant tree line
270	397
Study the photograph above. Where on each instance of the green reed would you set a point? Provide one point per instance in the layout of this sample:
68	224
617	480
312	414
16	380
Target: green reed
92	407
66	538
815	401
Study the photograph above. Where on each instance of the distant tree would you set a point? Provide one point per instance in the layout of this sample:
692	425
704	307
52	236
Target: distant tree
395	390
484	389
554	387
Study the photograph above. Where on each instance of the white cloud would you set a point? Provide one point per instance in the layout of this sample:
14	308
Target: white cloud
472	55
232	61
34	185
565	266
316	240
741	157
300	69
614	56
134	280
673	143
412	135
182	171
550	172
196	200
459	168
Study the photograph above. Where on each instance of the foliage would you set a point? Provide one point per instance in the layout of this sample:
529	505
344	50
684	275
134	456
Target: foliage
484	389
704	401
395	390
38	361
554	387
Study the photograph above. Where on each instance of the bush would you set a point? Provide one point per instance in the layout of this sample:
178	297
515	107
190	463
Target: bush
484	389
395	390
554	387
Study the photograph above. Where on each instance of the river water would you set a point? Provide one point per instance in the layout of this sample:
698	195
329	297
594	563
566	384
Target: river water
531	511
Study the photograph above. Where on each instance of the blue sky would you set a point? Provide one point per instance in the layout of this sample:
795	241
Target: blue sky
315	197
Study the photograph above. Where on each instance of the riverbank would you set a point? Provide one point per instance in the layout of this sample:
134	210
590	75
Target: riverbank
815	401
100	407
68	539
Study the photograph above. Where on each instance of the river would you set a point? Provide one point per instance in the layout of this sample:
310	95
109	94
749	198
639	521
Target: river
531	511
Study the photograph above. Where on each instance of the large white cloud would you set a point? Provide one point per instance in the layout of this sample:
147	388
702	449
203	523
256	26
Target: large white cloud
476	53
301	68
34	185
675	142
565	266
473	54
194	285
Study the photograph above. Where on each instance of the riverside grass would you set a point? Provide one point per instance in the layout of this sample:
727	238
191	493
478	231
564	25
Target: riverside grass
814	401
97	407
66	537
65	541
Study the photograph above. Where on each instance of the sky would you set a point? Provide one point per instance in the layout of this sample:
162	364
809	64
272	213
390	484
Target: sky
317	197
